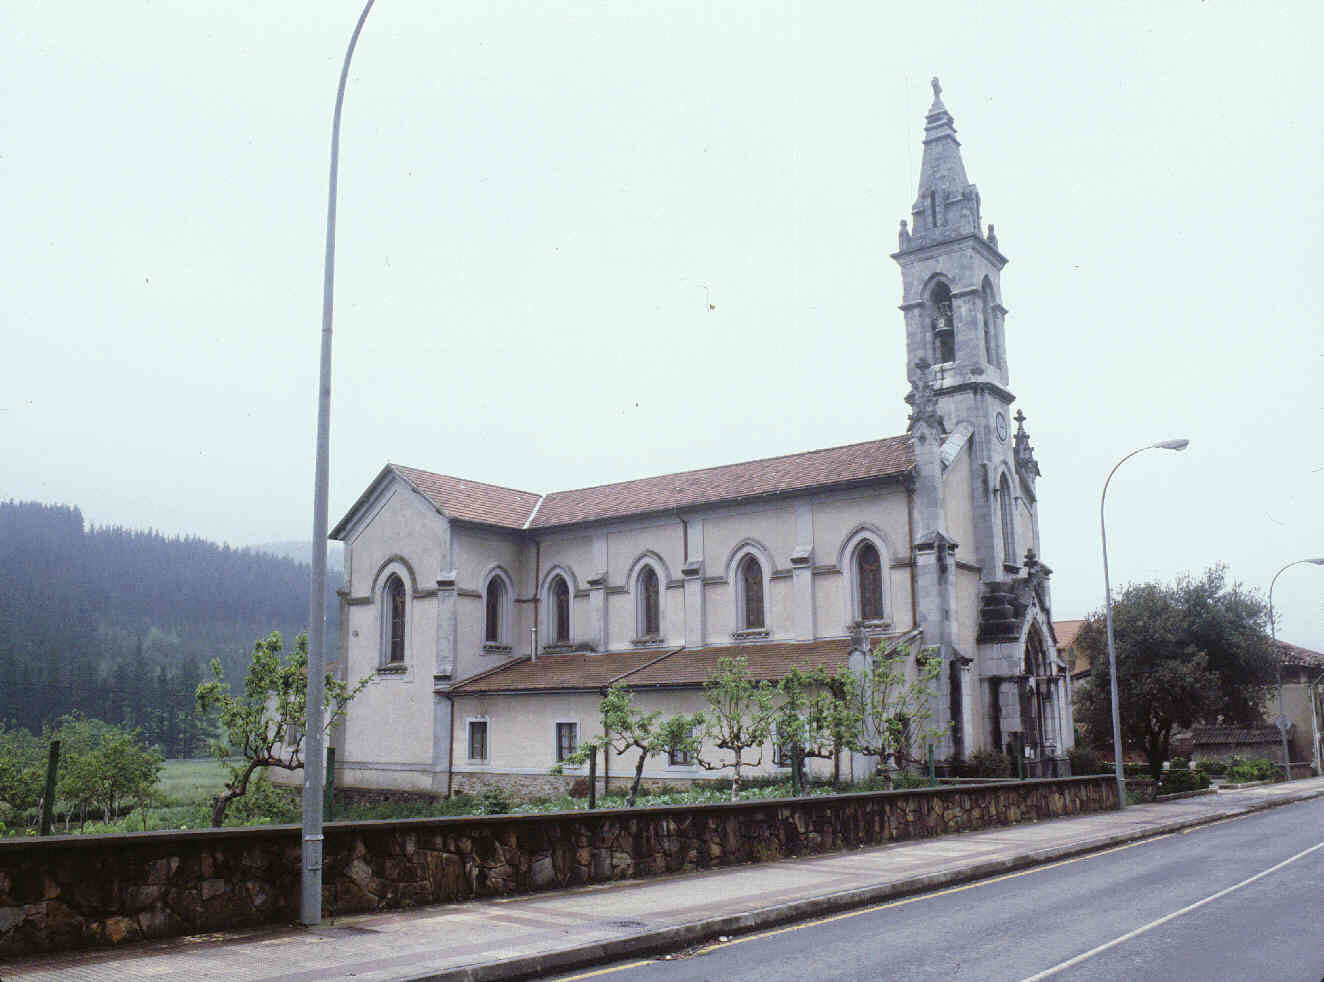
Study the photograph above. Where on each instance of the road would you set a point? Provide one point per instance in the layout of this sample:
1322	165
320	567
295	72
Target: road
1240	899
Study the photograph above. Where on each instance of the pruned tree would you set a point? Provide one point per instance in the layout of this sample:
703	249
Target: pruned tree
895	702
265	725
739	719
1196	651
818	716
626	727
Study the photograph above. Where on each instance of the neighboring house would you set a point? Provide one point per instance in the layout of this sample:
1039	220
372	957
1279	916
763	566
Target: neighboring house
1078	663
1303	670
495	618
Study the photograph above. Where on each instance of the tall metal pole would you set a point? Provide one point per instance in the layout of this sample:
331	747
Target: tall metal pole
310	893
1273	636
1118	770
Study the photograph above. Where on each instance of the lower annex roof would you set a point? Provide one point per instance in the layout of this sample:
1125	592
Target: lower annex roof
680	667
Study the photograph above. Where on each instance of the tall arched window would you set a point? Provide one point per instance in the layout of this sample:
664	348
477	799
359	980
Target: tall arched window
751	592
560	597
1005	504
649	623
989	348
393	597
496	602
943	324
869	582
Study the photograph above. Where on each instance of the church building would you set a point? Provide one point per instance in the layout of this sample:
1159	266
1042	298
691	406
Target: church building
492	620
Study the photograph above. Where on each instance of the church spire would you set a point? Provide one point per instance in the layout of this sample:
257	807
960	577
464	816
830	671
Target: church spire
947	205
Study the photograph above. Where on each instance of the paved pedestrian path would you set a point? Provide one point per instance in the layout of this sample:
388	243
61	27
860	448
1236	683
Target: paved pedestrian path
542	934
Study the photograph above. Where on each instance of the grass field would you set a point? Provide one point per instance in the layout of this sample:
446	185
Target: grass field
191	782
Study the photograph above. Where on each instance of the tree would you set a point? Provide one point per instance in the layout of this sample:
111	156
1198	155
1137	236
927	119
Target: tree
1196	651
818	715
894	702
264	726
739	719
626	727
22	774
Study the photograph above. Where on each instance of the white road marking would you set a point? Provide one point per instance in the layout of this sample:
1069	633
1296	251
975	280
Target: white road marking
1083	956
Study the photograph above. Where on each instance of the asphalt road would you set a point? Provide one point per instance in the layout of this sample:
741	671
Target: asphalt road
1241	899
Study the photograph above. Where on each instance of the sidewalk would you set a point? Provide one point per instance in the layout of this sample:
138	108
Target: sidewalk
542	934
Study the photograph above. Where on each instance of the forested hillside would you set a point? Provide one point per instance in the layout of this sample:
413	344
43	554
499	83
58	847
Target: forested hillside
121	624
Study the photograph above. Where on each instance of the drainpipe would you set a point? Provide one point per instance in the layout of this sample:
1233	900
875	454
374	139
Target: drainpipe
537	600
450	749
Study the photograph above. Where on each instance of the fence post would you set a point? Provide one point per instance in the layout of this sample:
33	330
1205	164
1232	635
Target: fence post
48	802
593	779
933	773
329	789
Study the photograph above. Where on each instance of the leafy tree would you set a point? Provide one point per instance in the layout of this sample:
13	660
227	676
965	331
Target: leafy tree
102	765
626	727
264	725
22	774
894	703
1196	651
818	715
739	719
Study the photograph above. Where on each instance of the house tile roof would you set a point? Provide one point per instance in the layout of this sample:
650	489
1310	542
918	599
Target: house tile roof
1066	632
579	670
1296	655
794	472
1206	735
508	508
472	500
675	667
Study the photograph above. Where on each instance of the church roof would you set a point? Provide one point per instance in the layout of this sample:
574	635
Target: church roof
508	508
767	661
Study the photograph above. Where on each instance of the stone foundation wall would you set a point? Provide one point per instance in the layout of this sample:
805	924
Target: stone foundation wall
83	891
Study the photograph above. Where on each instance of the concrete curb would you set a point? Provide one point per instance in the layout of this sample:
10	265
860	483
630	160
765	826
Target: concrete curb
668	939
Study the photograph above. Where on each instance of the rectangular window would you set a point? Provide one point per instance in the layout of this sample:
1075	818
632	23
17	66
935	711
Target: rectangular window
478	739
567	739
680	757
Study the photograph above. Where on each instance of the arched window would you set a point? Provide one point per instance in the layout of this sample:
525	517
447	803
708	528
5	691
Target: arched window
943	324
560	599
1005	504
649	623
496	602
393	610
869	582
751	593
989	347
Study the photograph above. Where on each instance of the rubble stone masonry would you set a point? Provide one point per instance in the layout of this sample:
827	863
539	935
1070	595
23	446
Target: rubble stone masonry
68	892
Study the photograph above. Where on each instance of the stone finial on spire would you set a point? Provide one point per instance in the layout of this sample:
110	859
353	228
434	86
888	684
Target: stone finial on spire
937	88
922	399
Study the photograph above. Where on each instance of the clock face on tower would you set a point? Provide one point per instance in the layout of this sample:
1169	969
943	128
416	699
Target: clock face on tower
1000	424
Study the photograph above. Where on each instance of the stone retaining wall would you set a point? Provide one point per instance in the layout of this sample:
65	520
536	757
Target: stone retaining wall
69	892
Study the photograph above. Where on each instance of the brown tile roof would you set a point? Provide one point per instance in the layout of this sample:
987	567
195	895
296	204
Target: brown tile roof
793	472
674	667
767	660
1066	632
553	672
508	508
1296	655
1206	735
472	500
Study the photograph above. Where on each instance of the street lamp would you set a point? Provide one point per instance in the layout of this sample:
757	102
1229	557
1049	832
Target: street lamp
1108	613
310	878
1273	636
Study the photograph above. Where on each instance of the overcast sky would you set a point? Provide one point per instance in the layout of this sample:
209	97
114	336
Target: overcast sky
539	201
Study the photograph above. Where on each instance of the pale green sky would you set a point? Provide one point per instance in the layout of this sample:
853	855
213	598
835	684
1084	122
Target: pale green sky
538	198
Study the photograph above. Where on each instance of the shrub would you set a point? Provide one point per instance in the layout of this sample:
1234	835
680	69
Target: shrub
1083	761
1215	767
1179	764
985	763
494	802
1178	779
1241	771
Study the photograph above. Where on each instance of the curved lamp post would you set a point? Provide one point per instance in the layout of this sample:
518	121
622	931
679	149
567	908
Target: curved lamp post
1273	635
310	880
1108	608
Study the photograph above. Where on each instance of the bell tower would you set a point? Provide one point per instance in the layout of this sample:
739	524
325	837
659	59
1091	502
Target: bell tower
955	344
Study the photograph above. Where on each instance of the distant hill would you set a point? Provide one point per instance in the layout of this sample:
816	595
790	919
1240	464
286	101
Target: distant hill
121	624
302	552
